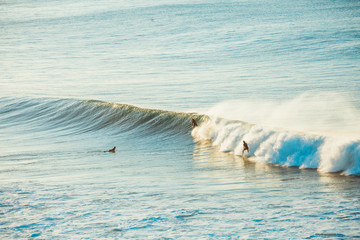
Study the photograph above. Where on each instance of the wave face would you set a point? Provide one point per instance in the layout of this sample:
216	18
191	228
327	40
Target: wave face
76	117
306	132
326	153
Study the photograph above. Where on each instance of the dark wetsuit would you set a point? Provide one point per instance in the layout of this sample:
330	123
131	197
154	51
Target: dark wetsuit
112	150
194	124
246	147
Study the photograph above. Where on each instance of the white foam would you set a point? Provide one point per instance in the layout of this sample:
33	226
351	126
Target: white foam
325	113
293	133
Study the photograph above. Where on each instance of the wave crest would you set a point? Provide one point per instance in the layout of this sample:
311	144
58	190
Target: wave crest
283	147
324	152
76	117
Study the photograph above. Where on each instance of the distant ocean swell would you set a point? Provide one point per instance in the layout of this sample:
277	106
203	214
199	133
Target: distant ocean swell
267	144
284	147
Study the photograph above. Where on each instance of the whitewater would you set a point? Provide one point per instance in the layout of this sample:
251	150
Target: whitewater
79	78
293	134
326	151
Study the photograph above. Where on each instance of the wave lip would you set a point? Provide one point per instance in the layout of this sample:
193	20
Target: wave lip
144	121
284	147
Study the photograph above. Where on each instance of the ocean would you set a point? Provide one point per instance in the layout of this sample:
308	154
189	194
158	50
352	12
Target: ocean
78	78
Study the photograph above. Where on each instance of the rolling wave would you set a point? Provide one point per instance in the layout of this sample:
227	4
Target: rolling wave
90	116
283	147
275	145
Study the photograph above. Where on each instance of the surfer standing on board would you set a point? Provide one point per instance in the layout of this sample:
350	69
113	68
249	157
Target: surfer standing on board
246	148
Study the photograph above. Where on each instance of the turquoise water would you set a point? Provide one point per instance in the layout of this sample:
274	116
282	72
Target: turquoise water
79	78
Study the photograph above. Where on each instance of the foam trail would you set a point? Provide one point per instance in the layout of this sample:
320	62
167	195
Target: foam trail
328	146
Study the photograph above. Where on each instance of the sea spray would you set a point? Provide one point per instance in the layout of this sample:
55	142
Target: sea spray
339	154
283	147
305	138
324	113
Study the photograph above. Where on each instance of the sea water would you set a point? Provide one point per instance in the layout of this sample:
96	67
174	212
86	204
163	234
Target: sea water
78	78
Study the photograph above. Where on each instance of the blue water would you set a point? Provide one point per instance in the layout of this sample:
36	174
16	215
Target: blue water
77	78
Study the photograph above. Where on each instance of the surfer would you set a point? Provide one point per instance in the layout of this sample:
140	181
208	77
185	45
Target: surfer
246	148
111	150
193	123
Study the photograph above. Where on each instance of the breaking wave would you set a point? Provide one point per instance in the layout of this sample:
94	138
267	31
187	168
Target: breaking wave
326	151
283	147
319	132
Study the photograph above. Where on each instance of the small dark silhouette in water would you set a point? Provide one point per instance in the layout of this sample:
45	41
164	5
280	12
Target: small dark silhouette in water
111	150
246	148
193	123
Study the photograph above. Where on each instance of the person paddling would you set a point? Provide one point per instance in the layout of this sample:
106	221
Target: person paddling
111	150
